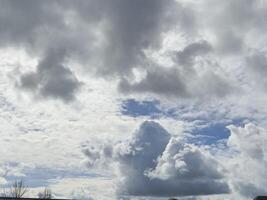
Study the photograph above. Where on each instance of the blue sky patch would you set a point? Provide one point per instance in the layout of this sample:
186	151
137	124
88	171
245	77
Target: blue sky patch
134	108
213	132
39	176
150	108
208	131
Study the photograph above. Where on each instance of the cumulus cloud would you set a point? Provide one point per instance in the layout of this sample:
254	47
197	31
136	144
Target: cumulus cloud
178	157
152	163
248	167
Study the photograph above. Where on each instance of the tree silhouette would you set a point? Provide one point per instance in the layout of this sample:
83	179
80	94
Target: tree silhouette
17	190
46	194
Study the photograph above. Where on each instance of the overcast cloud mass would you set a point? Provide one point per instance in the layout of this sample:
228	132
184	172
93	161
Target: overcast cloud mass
134	99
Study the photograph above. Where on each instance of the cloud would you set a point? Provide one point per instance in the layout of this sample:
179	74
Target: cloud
179	160
257	62
110	43
234	24
134	27
184	79
81	194
3	180
115	42
158	81
127	28
52	79
201	82
205	59
40	30
187	55
247	166
256	65
152	163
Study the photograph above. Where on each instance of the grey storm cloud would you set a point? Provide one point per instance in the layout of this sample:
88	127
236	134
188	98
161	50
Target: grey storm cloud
39	29
51	79
158	81
256	63
110	39
181	80
232	22
187	55
135	26
128	27
152	163
232	25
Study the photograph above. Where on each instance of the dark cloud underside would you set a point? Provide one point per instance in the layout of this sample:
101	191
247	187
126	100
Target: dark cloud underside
142	163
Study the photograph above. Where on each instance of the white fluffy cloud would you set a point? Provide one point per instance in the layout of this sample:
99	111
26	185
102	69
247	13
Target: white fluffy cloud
247	167
152	163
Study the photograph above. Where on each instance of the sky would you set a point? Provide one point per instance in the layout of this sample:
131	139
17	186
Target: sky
134	99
